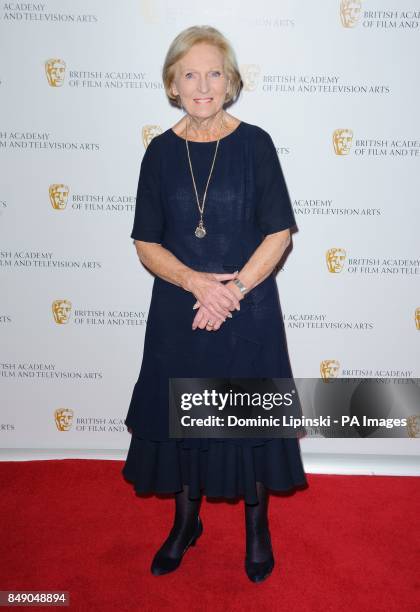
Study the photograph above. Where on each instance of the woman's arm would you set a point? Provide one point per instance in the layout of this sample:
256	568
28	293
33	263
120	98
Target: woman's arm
258	267
205	286
274	217
263	261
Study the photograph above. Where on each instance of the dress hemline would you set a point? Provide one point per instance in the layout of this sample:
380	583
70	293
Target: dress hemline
220	470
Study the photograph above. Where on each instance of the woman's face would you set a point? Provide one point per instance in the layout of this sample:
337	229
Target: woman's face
200	81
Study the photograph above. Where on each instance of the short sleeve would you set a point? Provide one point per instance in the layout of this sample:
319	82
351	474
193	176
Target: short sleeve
148	216
274	210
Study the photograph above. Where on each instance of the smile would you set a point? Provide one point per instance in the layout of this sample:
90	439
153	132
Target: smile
202	100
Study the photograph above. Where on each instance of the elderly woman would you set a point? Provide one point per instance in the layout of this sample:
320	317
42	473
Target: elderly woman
211	223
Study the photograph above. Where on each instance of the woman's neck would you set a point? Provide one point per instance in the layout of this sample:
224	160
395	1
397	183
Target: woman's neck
208	128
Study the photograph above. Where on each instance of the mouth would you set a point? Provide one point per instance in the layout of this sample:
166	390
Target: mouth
202	100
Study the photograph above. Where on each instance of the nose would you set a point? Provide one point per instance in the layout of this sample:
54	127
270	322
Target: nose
203	85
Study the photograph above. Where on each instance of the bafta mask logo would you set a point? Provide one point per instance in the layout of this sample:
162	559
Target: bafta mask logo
149	132
58	196
329	369
350	11
63	418
342	141
250	74
417	317
335	259
55	69
413	426
61	311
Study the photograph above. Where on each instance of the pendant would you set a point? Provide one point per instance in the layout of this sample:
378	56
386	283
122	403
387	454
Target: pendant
200	230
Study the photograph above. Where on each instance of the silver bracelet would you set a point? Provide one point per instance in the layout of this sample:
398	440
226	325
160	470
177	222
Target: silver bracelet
240	285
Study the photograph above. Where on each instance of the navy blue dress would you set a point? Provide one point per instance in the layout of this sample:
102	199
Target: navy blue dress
247	199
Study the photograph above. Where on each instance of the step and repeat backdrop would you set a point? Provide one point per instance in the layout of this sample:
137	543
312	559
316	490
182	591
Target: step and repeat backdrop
336	85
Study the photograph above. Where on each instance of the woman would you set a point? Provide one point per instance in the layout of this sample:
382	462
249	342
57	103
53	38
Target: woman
211	223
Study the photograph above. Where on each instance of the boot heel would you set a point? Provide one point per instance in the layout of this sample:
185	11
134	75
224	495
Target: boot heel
163	565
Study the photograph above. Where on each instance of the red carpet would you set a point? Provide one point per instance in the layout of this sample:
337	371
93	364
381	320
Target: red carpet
343	543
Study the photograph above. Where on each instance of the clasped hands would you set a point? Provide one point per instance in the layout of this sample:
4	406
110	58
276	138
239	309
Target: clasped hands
215	300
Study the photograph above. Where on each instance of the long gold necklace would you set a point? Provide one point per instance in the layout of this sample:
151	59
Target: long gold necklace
200	230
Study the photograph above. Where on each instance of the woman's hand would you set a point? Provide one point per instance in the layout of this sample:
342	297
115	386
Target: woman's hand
212	293
204	320
233	288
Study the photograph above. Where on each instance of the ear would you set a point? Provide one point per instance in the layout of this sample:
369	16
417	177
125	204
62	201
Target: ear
174	89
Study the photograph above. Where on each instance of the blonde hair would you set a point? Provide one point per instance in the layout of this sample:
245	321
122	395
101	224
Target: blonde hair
183	43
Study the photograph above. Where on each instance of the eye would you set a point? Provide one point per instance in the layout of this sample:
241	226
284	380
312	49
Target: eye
188	75
215	73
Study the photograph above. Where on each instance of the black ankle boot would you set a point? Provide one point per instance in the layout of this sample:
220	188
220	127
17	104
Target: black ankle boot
162	564
259	559
186	529
257	571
